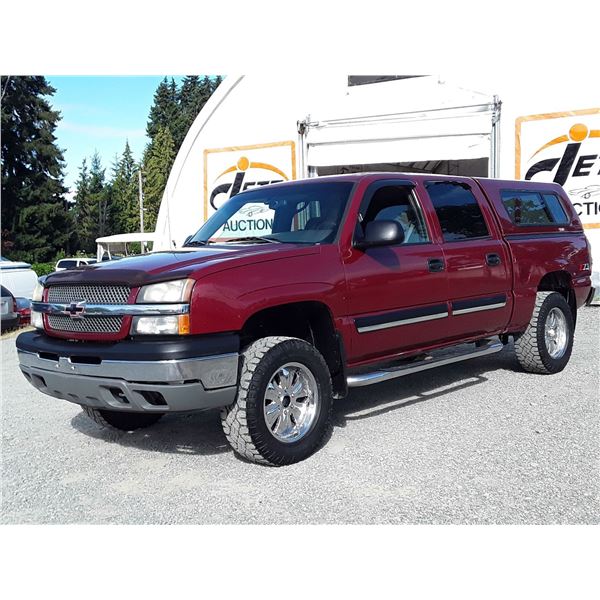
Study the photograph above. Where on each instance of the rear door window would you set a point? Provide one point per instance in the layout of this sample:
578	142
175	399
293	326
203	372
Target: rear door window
533	208
457	210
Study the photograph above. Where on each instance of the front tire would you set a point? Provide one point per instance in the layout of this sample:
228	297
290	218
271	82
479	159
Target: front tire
123	421
282	411
546	345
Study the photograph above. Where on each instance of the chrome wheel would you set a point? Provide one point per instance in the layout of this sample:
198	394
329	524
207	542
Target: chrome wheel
556	333
291	402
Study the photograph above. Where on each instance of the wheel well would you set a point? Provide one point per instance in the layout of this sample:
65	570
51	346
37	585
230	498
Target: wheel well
309	321
560	281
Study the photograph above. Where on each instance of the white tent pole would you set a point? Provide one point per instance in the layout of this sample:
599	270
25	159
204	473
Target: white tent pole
302	131
494	166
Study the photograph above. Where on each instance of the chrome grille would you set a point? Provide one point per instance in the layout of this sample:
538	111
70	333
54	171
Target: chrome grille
86	325
92	294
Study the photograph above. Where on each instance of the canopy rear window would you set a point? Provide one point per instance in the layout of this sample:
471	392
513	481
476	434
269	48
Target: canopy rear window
533	208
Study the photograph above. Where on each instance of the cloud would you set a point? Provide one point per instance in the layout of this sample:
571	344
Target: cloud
102	131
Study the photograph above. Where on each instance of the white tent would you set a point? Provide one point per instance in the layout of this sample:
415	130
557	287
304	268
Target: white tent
119	243
305	126
256	130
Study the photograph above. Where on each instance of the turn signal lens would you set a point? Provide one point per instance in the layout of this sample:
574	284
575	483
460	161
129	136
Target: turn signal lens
184	324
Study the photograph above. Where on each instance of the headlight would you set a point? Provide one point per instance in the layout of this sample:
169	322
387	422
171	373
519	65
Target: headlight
37	320
38	292
167	325
169	291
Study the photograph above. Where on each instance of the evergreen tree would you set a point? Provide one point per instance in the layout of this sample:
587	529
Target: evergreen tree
194	94
85	211
99	195
36	223
92	204
191	101
124	194
164	111
206	89
158	159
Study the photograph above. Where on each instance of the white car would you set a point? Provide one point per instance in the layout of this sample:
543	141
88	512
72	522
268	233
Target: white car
70	263
586	192
17	277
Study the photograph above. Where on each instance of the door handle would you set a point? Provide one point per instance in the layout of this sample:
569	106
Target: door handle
435	265
493	260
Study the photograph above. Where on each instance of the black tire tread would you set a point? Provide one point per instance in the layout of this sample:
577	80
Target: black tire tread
527	346
234	418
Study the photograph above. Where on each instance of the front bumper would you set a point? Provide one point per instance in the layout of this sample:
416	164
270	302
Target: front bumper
161	376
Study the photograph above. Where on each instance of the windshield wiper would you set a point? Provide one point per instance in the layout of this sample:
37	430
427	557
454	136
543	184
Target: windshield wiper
195	243
254	238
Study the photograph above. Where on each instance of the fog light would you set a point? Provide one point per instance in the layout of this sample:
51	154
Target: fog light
37	320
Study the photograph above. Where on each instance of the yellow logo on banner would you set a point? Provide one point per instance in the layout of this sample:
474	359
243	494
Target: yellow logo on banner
253	168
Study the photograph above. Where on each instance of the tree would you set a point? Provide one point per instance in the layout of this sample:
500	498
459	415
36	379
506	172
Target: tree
165	109
191	101
99	195
36	222
85	213
158	159
194	94
124	194
92	203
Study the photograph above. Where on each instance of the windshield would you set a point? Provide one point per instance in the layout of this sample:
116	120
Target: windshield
308	213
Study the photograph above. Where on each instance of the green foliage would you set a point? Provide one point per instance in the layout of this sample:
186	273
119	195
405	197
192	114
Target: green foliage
194	94
92	204
38	225
42	269
124	199
165	110
42	229
36	222
158	159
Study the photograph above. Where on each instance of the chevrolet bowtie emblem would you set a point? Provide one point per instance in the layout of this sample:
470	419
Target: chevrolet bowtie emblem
75	310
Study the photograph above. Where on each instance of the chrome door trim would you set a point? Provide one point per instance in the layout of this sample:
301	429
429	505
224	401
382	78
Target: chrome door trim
465	311
401	322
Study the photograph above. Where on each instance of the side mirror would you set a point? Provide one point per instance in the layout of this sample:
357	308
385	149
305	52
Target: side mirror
381	233
187	239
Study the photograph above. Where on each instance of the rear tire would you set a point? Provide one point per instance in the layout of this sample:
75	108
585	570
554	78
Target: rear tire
545	346
282	411
123	421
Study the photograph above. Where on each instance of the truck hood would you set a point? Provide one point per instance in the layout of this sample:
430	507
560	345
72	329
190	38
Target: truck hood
163	266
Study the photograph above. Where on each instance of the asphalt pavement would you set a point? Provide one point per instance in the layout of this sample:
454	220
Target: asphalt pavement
478	442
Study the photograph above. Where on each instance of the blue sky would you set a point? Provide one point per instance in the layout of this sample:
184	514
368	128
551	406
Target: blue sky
101	113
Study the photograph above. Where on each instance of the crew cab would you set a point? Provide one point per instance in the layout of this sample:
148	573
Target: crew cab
294	292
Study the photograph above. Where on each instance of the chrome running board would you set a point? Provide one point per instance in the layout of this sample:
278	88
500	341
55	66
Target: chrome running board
448	357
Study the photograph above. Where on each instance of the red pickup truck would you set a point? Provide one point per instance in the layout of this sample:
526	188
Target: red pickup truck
292	293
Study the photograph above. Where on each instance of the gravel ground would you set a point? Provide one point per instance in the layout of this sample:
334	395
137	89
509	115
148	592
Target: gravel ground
481	442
